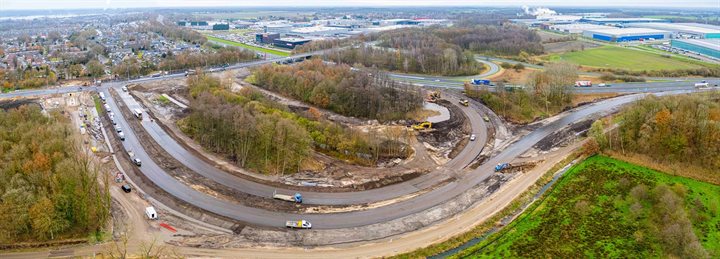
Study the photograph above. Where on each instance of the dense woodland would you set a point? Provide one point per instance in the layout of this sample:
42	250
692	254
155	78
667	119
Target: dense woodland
340	89
262	135
48	189
550	92
681	128
440	50
505	40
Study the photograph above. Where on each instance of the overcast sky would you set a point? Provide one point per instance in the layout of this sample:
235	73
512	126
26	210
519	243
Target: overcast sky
73	4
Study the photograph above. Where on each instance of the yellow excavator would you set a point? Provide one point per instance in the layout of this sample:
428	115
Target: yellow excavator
422	126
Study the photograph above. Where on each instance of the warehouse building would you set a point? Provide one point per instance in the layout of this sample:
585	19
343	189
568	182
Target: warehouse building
266	38
619	21
577	28
707	47
682	31
289	43
626	34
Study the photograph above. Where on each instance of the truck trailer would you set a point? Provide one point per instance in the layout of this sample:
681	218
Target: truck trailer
297	198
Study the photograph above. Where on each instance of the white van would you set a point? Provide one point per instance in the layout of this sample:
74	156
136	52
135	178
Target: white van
151	213
138	113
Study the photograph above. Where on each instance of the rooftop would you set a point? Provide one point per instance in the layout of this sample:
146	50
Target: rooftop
624	19
623	31
713	44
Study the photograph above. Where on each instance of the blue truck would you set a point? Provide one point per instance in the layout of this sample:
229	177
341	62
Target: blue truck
480	82
501	167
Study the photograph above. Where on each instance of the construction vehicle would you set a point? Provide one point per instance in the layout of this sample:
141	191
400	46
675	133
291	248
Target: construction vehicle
423	125
501	167
433	96
301	224
464	102
297	198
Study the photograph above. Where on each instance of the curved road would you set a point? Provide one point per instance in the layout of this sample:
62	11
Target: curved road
177	151
377	215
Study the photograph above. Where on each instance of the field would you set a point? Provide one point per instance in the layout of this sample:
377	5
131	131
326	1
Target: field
251	47
622	58
604	207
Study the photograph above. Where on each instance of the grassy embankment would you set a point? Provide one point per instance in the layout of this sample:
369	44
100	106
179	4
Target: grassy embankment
250	47
624	58
609	208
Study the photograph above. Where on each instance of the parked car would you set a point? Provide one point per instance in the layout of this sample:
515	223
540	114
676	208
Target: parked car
137	162
118	129
126	188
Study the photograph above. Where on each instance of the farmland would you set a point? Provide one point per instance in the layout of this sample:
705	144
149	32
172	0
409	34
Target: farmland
609	208
622	58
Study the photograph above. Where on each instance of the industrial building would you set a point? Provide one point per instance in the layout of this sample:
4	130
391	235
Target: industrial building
682	31
320	31
620	21
267	38
577	28
707	47
626	34
289	43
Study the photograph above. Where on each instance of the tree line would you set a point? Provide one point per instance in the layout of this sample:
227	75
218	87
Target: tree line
340	89
265	136
173	32
48	189
220	56
683	128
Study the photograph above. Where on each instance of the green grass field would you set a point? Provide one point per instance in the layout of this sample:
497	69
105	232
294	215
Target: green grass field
251	47
623	58
604	207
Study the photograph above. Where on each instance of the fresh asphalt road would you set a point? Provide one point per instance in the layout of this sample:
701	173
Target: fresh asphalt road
177	151
422	202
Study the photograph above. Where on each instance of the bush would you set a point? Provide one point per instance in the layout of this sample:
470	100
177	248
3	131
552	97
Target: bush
506	65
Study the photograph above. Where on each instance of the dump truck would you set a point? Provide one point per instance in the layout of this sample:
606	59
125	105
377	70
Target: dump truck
423	125
302	224
297	198
501	167
464	102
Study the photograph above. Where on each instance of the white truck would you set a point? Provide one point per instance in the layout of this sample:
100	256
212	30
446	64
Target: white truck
297	198
102	97
138	113
301	224
702	85
583	83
